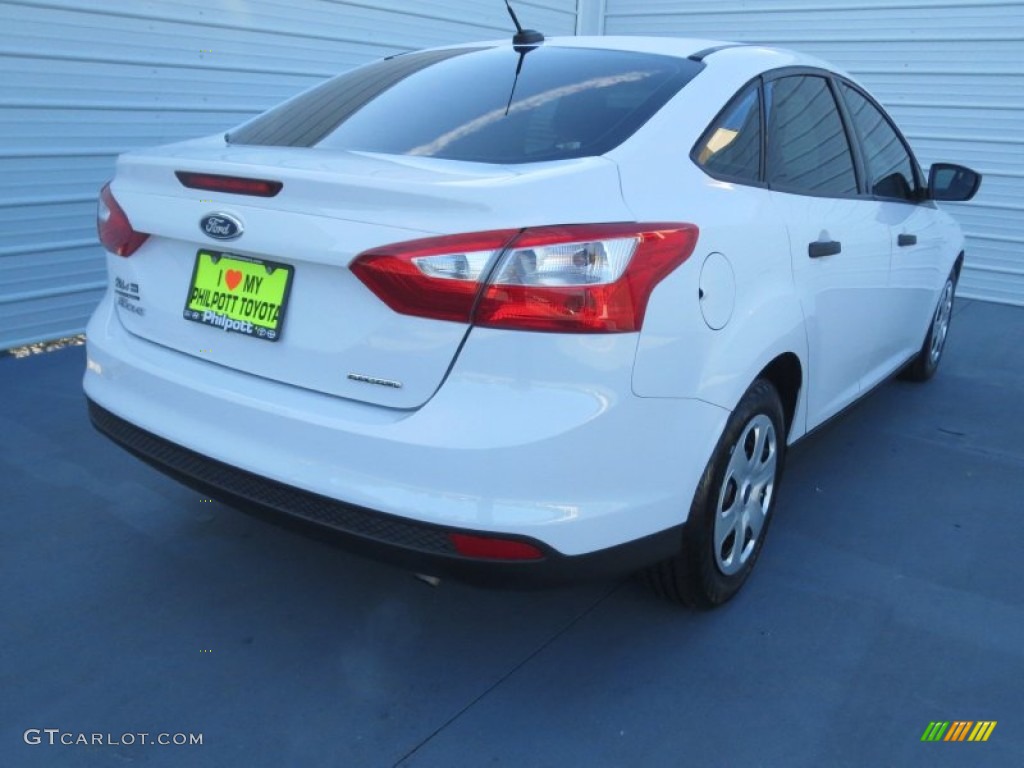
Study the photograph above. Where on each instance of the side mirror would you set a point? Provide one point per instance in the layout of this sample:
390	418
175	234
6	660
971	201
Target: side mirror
947	181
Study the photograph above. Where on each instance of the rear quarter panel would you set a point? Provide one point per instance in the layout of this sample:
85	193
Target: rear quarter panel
678	354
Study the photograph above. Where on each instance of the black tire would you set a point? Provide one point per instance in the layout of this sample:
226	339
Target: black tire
926	363
706	574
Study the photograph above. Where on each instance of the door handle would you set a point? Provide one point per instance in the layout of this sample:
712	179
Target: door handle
818	249
904	240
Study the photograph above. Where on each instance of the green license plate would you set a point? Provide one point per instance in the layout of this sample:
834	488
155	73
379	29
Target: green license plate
238	294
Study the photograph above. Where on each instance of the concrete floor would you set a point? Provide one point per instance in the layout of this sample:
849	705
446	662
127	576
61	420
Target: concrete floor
889	595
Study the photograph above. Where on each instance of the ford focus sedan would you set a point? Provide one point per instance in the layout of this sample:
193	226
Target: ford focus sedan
524	313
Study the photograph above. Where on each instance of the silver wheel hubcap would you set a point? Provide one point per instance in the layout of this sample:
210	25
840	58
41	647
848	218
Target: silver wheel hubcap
940	325
746	494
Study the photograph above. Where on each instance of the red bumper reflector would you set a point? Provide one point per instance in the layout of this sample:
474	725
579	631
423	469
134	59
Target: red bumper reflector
494	549
235	185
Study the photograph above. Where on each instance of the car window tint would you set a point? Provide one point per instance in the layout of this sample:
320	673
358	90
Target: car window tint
566	102
808	151
731	148
890	167
305	119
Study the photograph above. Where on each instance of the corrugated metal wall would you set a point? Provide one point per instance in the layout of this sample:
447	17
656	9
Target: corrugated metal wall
83	80
950	71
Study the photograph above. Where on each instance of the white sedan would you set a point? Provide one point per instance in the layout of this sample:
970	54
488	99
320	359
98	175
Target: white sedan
524	312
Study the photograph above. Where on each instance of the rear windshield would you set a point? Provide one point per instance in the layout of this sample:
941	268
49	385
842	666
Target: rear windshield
467	104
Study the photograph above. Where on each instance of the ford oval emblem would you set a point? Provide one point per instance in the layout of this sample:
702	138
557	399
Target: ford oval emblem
221	226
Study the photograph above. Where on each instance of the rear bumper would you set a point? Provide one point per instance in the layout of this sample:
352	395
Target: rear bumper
419	546
539	440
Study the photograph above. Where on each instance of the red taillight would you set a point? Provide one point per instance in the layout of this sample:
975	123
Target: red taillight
235	185
114	229
494	548
587	278
436	277
584	278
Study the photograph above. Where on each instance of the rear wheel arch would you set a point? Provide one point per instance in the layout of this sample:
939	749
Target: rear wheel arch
732	358
786	374
731	508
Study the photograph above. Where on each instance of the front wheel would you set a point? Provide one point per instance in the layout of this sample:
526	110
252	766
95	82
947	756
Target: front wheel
732	507
924	365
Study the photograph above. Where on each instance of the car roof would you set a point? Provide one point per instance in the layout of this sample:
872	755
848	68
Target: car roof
716	52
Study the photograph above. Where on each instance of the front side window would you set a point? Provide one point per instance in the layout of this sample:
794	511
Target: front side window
890	167
468	104
731	148
808	152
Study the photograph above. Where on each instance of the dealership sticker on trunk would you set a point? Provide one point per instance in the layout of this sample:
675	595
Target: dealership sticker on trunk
239	294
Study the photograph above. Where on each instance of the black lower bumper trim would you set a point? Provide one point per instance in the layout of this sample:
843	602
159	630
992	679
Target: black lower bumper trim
423	547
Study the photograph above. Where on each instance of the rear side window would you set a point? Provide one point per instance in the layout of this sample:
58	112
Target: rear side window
731	148
461	105
890	166
808	152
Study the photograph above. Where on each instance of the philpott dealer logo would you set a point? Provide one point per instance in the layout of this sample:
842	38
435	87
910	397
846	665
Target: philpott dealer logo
56	737
959	730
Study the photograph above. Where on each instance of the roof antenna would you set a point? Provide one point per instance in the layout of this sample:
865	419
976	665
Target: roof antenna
525	40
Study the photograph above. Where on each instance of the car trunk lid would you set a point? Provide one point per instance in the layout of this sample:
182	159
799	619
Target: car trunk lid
336	337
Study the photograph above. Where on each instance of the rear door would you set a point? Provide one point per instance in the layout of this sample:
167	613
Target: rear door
840	250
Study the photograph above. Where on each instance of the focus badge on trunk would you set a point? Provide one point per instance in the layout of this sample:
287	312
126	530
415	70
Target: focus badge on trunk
221	226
